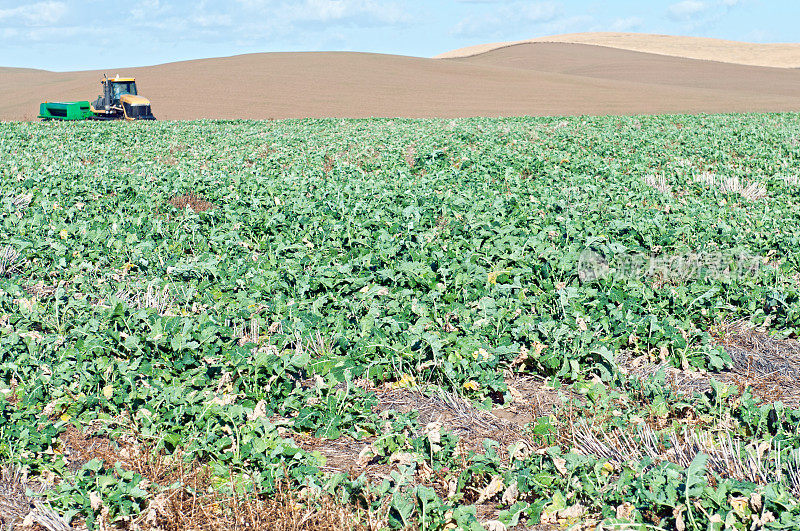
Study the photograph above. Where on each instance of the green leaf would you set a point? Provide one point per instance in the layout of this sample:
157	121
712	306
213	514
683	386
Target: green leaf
696	475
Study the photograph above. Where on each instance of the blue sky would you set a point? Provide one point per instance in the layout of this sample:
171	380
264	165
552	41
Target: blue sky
89	34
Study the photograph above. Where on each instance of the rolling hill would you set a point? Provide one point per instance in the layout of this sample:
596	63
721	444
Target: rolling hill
778	55
537	78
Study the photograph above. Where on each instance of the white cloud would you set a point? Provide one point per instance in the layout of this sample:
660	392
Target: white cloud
565	25
360	12
539	12
48	34
38	14
759	35
337	10
626	24
696	14
686	9
147	9
508	18
206	20
327	10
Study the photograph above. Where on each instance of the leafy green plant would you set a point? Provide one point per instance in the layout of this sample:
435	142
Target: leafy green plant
336	257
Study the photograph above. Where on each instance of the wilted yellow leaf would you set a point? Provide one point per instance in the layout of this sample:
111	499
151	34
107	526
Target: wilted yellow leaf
472	385
481	354
402	458
755	501
494	487
405	381
259	412
625	511
32	335
511	494
492	276
538	348
95	501
495	525
561	465
740	506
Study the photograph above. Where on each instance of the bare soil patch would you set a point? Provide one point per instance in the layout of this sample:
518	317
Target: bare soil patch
185	495
507	425
195	202
769	365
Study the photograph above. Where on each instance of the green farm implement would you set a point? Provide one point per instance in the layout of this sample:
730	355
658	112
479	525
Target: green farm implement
70	110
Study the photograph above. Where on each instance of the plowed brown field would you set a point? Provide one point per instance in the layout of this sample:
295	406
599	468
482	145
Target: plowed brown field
527	79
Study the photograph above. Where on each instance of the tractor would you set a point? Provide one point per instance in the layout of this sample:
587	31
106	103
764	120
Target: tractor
119	101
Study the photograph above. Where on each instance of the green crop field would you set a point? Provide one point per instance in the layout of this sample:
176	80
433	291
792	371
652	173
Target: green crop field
480	323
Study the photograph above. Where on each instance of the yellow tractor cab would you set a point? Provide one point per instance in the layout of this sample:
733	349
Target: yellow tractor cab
120	100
